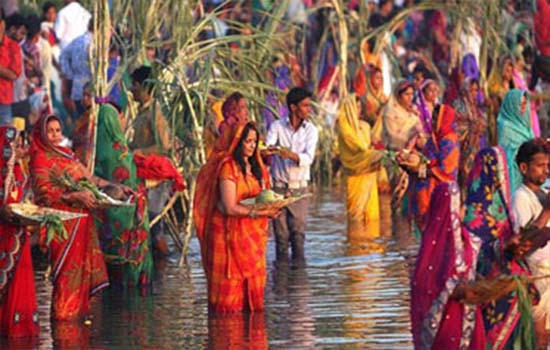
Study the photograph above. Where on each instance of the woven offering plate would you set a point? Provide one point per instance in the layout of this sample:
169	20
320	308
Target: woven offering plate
278	204
30	214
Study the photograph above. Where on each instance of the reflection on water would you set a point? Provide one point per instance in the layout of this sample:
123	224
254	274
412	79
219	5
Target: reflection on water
353	294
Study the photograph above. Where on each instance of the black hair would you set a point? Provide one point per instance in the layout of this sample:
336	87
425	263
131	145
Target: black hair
420	69
527	52
238	154
15	20
33	26
143	76
297	95
374	69
372	43
428	84
529	149
47	6
91	24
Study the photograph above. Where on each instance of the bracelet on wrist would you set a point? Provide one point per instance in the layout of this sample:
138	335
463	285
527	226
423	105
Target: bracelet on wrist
422	171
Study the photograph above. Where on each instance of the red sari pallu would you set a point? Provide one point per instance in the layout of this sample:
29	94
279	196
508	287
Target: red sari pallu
78	268
18	309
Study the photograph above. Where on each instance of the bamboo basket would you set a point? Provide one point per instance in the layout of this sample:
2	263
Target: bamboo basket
30	214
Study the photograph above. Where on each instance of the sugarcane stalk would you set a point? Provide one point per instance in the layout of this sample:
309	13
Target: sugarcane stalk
343	37
99	61
188	228
165	210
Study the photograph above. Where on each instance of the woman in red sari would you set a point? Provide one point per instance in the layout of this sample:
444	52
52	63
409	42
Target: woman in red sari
18	309
78	268
446	263
233	236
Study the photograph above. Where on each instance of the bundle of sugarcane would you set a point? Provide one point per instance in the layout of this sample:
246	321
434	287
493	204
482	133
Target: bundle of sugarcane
488	290
104	201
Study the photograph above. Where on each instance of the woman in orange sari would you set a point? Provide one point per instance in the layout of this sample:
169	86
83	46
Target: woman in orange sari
78	268
233	237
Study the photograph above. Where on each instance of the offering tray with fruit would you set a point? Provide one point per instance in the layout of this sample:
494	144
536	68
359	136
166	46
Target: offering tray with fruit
268	199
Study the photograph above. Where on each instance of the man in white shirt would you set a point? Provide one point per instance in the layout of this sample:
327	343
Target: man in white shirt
533	162
72	22
296	138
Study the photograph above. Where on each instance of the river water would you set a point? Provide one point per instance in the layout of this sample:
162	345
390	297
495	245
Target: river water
352	294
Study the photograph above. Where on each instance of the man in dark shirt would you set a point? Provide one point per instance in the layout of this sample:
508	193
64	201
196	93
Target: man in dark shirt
383	15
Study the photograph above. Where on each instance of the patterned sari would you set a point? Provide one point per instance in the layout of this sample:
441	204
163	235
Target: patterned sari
447	257
361	164
232	248
125	234
18	309
78	268
513	130
507	321
443	152
471	126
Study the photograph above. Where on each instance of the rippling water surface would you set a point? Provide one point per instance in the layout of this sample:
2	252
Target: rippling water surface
353	294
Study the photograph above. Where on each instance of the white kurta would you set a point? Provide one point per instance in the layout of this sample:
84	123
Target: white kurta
527	207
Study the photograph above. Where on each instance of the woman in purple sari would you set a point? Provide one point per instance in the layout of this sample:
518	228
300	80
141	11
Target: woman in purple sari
446	263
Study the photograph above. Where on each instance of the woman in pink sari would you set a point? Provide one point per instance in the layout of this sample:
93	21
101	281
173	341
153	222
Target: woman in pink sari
446	262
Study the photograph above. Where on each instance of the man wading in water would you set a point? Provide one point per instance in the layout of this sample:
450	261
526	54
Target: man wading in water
296	138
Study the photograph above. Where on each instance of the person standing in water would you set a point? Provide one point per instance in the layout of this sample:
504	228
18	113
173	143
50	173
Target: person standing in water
296	138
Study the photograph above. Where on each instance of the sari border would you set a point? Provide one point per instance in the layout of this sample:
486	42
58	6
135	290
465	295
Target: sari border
59	265
469	316
432	322
507	328
99	287
14	257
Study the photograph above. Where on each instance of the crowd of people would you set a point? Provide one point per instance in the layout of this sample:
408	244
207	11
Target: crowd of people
48	160
464	166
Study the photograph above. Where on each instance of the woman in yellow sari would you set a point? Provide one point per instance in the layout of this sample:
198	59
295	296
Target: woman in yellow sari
361	163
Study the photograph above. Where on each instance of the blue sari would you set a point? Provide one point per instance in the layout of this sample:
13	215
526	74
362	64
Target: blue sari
514	129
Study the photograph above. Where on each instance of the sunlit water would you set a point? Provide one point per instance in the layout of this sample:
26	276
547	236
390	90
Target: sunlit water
351	295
